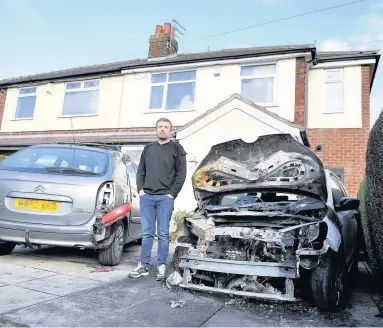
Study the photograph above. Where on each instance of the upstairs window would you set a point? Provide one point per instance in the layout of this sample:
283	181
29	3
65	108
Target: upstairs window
333	91
258	83
26	102
172	91
81	98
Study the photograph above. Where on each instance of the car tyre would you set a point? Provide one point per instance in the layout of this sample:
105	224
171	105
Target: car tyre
6	247
113	254
329	284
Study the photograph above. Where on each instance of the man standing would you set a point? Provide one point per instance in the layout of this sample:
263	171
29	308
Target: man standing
161	174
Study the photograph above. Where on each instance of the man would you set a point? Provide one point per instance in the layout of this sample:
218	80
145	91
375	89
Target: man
161	174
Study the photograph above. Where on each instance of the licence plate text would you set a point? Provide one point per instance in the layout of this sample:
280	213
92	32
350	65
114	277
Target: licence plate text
37	205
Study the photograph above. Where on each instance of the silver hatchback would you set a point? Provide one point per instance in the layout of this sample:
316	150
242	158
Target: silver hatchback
58	194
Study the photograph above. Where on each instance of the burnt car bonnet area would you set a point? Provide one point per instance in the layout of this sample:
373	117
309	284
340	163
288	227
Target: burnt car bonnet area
267	225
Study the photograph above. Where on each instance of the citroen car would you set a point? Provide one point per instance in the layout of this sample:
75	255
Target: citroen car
58	194
270	221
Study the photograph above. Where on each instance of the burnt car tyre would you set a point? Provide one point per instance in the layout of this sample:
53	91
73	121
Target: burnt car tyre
6	247
329	284
113	254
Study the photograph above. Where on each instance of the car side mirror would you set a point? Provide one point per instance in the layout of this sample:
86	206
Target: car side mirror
348	204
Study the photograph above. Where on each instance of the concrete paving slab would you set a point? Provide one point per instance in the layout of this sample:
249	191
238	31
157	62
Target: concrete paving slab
89	307
13	297
14	274
197	310
60	284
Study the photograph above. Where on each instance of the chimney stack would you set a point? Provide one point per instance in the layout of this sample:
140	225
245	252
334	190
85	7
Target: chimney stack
163	43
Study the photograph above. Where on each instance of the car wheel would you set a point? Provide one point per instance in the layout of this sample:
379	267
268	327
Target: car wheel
113	254
329	284
6	247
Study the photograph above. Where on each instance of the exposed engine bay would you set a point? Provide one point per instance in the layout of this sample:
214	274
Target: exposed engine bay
251	243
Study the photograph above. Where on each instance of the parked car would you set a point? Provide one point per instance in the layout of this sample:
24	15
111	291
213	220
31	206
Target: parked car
58	194
270	219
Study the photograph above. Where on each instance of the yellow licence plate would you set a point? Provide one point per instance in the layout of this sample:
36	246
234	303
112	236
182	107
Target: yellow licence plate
37	205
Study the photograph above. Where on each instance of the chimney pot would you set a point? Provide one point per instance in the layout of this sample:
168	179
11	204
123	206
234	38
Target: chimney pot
159	29
167	28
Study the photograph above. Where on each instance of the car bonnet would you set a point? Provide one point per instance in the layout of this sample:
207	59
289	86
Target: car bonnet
273	162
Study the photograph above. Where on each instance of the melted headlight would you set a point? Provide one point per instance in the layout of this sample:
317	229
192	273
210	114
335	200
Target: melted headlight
312	232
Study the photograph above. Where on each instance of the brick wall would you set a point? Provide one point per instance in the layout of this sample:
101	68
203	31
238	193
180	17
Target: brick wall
346	148
300	91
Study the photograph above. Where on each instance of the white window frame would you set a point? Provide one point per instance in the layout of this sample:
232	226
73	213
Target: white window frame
26	95
165	92
80	89
262	76
333	80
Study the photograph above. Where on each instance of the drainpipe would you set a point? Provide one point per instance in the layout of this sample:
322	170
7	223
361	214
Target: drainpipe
307	95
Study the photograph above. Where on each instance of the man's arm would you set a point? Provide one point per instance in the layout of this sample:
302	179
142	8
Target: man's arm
180	172
141	171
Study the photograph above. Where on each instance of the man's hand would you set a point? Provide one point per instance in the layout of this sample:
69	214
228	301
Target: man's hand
141	192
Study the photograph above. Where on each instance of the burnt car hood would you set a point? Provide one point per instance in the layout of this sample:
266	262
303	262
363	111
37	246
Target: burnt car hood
273	162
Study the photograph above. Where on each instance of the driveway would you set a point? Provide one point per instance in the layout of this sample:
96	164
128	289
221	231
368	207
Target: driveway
61	287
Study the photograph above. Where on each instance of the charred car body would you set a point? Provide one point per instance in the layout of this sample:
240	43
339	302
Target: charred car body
269	217
69	195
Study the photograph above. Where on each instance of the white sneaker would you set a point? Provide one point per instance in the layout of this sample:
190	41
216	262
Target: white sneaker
161	272
139	271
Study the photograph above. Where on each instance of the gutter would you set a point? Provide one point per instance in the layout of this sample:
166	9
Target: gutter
235	59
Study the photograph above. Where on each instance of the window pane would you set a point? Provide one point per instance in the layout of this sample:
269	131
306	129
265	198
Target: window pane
257	70
180	96
26	91
91	84
80	103
25	107
36	159
156	97
158	78
182	76
73	85
334	97
333	74
258	90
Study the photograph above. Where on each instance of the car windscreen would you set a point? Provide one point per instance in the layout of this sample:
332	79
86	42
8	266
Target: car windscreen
58	160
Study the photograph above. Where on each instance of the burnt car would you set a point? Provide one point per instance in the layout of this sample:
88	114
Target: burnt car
270	219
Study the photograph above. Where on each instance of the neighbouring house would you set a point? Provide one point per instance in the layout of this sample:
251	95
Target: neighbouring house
210	97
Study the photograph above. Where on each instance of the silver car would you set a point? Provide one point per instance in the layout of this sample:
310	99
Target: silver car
59	195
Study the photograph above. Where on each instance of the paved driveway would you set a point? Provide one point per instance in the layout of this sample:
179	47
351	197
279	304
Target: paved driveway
61	287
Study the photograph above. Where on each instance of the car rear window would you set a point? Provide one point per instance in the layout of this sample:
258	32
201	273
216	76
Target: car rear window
42	160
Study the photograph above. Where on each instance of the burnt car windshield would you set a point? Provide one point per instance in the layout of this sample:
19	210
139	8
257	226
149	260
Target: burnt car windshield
58	160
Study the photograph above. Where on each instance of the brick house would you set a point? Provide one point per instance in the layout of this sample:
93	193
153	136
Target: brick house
254	90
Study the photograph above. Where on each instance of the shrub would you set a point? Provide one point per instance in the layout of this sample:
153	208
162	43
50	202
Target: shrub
374	190
365	224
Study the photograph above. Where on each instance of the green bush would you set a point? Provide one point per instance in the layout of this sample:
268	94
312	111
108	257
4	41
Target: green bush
365	224
374	190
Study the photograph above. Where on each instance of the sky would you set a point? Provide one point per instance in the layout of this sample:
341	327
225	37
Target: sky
44	35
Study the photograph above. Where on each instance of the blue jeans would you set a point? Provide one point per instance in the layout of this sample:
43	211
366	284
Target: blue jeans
154	207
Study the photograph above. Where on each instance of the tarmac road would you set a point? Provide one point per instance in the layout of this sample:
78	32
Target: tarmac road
61	287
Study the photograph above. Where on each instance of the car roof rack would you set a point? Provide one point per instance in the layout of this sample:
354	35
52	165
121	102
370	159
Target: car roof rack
92	144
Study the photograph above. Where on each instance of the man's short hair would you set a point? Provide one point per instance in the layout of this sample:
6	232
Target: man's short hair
163	119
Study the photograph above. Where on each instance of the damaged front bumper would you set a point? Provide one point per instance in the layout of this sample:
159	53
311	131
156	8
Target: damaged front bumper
190	263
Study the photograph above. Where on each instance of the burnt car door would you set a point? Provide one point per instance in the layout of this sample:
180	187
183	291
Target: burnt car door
345	209
135	219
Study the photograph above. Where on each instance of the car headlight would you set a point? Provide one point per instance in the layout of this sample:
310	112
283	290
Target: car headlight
312	232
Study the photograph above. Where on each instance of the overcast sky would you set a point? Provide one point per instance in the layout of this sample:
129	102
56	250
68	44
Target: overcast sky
44	35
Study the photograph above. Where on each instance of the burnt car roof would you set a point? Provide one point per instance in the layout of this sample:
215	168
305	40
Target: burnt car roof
273	162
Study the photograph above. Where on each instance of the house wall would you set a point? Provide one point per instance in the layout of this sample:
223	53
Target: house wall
346	148
352	89
124	101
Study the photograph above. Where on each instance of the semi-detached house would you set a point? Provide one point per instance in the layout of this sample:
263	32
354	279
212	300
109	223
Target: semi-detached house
210	97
